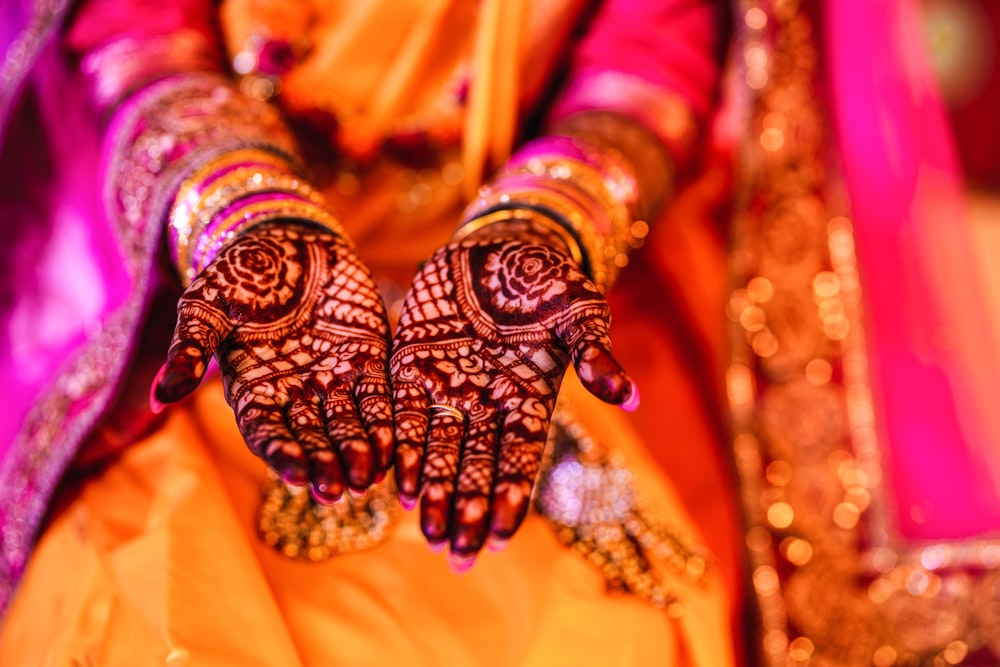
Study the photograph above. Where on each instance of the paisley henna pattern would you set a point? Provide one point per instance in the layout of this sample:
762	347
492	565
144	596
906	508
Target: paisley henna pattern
301	336
490	326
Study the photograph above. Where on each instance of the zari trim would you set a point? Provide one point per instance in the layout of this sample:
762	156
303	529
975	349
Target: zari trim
23	51
292	522
593	502
171	128
836	586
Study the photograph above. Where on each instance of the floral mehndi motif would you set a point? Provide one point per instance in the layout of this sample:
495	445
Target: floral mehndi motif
255	279
521	278
301	336
489	327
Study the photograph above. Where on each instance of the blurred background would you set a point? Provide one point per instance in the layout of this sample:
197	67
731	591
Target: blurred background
964	44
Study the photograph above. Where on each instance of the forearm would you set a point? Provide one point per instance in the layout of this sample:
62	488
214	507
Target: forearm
185	147
621	133
649	162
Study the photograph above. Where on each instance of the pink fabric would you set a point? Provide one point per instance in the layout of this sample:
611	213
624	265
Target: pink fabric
63	276
932	355
664	75
101	21
677	49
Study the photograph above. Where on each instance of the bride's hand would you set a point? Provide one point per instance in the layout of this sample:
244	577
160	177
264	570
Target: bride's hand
301	337
486	334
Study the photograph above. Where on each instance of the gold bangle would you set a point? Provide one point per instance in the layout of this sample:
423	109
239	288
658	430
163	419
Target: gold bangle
244	218
578	214
472	225
197	233
611	218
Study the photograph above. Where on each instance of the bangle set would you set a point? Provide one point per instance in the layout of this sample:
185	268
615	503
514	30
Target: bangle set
591	193
536	216
229	195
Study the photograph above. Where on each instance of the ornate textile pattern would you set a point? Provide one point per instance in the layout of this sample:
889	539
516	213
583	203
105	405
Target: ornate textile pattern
835	585
57	423
291	521
594	504
301	335
172	127
23	51
488	329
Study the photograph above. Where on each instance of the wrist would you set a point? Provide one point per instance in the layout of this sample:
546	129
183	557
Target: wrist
231	195
524	225
589	195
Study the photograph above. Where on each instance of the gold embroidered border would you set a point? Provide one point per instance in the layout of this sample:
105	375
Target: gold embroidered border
835	585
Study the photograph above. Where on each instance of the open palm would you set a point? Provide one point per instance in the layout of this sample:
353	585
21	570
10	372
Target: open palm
301	337
488	329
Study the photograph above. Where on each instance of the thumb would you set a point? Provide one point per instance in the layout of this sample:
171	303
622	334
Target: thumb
196	337
590	349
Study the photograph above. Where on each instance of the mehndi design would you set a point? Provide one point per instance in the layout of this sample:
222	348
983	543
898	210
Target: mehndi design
489	327
301	335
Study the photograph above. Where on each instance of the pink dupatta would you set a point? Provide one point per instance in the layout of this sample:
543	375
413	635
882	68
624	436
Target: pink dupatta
936	376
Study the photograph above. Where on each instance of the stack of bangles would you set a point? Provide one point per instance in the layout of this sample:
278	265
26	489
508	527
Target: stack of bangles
587	196
229	195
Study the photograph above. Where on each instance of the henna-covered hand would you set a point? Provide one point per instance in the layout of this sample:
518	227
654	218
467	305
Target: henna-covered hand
301	336
489	327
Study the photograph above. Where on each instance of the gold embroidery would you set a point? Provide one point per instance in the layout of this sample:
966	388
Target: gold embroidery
834	585
296	525
591	499
594	504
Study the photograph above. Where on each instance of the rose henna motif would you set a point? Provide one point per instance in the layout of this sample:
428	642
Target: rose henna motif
489	327
301	336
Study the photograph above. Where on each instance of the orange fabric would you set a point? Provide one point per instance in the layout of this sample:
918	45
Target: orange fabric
156	562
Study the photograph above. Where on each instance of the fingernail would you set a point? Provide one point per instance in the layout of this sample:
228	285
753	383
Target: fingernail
154	404
318	494
408	502
379	477
494	543
437	547
460	563
354	493
631	402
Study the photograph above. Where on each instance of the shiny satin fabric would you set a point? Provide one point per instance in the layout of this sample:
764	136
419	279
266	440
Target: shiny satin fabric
156	561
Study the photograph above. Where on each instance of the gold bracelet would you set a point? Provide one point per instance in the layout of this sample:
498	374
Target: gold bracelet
243	218
214	205
472	225
614	232
569	206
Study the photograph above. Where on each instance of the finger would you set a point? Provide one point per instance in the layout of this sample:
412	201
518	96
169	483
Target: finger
201	325
477	471
305	421
522	442
268	436
440	469
349	440
597	368
411	419
374	400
